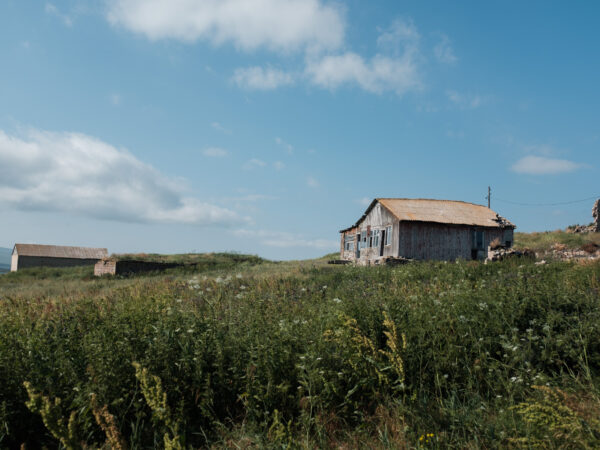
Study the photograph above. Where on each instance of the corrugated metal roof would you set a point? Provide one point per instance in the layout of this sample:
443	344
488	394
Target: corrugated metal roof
439	211
59	251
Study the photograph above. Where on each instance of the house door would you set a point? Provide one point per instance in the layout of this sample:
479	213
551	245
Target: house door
478	241
358	246
382	243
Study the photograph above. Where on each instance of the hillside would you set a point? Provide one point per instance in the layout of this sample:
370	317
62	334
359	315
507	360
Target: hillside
559	244
305	355
5	255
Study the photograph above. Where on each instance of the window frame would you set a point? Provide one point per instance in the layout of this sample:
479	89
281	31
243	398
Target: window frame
388	235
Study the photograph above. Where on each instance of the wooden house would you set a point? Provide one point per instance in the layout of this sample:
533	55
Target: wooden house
423	229
34	255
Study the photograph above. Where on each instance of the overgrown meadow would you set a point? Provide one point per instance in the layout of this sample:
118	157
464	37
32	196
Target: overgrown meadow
259	354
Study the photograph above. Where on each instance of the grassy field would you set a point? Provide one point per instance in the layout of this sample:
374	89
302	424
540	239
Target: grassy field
247	353
543	241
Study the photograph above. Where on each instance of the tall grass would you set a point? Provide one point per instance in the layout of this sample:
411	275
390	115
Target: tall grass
543	241
425	355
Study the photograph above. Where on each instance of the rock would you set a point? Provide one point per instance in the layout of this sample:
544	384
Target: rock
501	254
594	227
391	261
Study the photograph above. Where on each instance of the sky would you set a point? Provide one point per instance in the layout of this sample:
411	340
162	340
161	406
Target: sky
266	126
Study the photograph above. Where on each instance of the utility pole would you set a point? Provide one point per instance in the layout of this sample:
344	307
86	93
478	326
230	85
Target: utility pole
489	196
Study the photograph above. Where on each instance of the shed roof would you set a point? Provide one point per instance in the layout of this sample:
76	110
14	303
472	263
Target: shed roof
439	211
59	251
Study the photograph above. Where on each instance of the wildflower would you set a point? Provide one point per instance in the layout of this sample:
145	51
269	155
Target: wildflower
337	300
239	275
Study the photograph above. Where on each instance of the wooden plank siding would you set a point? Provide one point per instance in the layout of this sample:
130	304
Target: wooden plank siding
421	240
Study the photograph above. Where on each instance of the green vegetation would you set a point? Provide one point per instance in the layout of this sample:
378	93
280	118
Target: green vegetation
303	355
541	242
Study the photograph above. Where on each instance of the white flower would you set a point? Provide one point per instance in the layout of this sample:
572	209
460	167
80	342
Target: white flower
337	300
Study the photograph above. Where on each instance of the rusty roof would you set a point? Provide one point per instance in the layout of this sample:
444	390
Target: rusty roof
439	211
59	251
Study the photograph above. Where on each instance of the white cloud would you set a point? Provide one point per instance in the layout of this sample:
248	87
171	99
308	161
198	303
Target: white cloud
253	164
280	25
287	240
217	126
400	34
115	99
79	174
279	165
53	10
539	165
443	51
261	79
380	74
312	182
394	70
466	101
288	147
215	152
251	198
364	201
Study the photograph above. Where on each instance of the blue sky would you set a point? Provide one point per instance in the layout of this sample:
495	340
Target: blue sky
265	126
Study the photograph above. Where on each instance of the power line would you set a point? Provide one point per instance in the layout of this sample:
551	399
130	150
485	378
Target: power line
549	204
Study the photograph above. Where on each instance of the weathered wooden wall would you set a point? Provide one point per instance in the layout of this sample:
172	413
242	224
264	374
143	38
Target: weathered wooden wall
378	218
419	240
24	262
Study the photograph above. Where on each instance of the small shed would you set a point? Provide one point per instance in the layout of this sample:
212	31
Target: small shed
35	255
423	229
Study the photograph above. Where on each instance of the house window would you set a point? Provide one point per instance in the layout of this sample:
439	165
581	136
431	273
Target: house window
363	239
388	235
478	244
376	238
